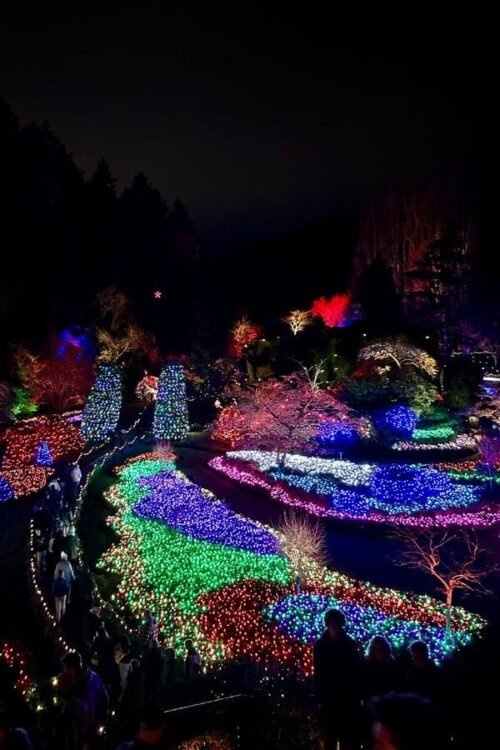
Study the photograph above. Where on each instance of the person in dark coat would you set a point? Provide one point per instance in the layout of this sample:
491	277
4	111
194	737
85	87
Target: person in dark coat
423	677
402	721
336	682
380	670
12	737
152	668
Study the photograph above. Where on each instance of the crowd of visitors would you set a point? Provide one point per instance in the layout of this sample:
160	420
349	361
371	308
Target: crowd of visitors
358	695
364	700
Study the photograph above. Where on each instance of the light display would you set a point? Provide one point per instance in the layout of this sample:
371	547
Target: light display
171	413
458	443
297	320
334	312
233	594
438	433
302	617
22	404
320	493
241	335
229	427
102	410
6	491
399	421
401	353
43	455
16	659
336	435
147	389
23	443
182	506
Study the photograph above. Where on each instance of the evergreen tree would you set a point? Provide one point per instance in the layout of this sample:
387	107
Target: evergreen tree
43	455
102	410
171	412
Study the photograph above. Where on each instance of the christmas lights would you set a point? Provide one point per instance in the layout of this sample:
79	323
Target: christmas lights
459	443
16	659
318	492
171	414
102	410
43	455
6	491
336	435
438	433
215	576
147	389
399	421
49	438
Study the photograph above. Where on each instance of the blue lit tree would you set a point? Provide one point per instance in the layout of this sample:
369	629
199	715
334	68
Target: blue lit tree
43	455
102	410
171	412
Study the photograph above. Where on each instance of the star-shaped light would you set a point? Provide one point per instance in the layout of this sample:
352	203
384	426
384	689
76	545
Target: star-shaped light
157	294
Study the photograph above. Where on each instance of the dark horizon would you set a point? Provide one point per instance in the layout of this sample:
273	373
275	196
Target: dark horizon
258	124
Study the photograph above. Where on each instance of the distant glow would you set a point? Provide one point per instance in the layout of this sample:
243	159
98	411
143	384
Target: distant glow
157	294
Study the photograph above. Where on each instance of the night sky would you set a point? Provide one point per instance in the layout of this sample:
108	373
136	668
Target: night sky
259	120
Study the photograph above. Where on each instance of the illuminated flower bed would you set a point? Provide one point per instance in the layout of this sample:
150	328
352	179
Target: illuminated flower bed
404	494
215	576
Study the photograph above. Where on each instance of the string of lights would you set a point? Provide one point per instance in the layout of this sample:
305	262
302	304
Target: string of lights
102	410
233	600
349	506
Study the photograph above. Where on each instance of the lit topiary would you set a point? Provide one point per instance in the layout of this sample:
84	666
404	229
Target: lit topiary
171	412
102	410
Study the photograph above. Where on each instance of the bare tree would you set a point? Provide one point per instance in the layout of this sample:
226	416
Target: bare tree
454	560
297	320
303	542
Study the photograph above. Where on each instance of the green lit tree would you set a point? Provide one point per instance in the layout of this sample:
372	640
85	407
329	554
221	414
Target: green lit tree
171	412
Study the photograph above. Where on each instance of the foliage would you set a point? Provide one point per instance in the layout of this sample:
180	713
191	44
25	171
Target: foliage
147	389
462	380
337	435
241	335
401	353
297	320
5	402
121	337
397	422
59	382
335	312
284	415
415	390
22	404
303	540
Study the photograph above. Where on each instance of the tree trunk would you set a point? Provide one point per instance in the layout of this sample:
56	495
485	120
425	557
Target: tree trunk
449	600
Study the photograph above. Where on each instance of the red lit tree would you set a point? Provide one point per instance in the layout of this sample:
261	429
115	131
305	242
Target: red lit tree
59	382
282	415
334	312
241	335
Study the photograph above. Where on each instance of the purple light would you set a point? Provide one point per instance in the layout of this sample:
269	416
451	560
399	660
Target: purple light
182	505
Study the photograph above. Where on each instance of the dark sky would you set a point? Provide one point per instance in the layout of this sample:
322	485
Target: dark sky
259	117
